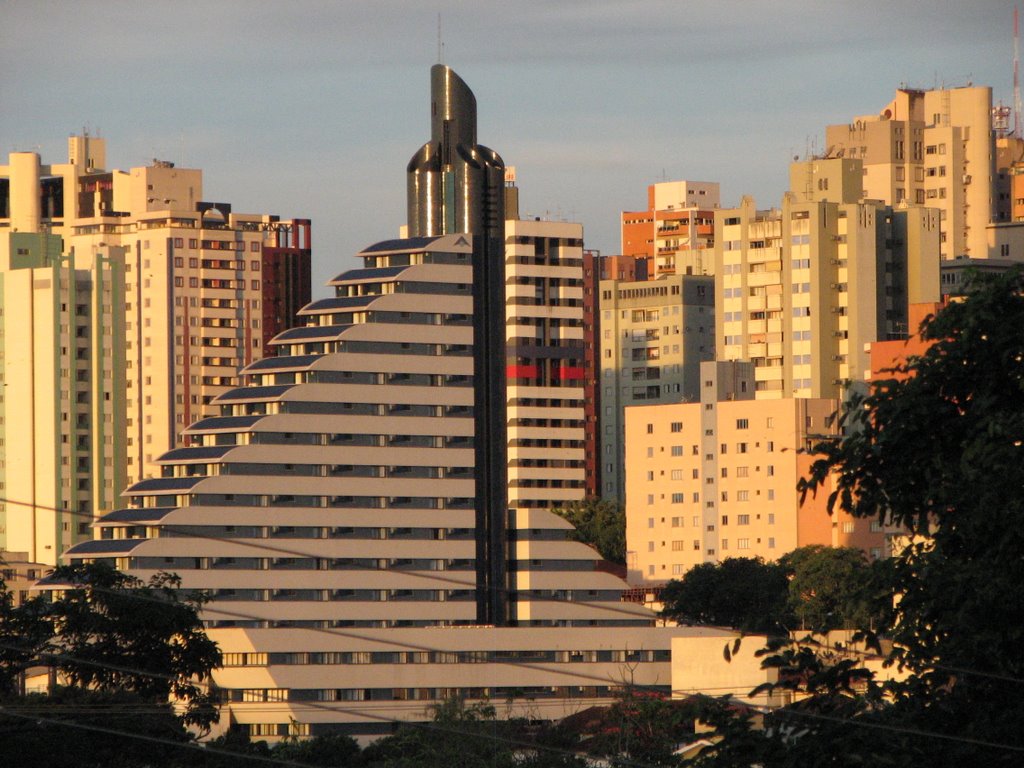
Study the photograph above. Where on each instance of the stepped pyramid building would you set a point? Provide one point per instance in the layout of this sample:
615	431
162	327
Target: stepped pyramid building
370	510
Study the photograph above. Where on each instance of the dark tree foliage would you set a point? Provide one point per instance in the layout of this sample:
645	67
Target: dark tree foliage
471	736
113	632
601	524
940	451
836	588
329	750
741	592
816	588
24	632
641	729
123	649
78	728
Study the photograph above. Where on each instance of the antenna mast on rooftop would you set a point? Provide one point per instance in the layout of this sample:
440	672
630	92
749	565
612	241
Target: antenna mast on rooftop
440	43
1016	75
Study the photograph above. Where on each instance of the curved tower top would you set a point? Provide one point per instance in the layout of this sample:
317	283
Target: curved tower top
452	109
455	184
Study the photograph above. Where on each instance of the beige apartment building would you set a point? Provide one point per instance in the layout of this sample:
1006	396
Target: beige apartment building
188	292
802	288
62	404
929	147
717	478
654	335
545	370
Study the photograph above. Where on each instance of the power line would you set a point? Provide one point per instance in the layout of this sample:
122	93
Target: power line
523	664
511	742
337	631
5	710
189	533
24	711
900	729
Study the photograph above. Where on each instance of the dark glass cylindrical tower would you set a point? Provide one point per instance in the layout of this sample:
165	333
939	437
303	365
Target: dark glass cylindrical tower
457	186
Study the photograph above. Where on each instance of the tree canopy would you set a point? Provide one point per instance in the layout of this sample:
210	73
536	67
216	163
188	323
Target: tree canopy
939	450
123	649
741	592
814	587
601	524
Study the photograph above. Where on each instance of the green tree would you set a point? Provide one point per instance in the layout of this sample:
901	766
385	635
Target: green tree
939	451
641	728
601	523
835	588
459	735
113	632
741	592
24	632
78	728
463	735
331	750
123	649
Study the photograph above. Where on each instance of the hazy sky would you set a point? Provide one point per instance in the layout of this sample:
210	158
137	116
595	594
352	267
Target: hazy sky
313	109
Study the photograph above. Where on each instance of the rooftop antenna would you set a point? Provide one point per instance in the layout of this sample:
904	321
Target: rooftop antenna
1016	78
440	43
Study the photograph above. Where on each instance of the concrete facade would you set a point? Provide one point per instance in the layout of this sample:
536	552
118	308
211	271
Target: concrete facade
335	494
800	290
718	478
654	336
674	235
934	148
62	408
204	287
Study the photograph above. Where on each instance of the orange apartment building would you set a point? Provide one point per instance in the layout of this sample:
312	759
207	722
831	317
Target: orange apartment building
675	235
718	478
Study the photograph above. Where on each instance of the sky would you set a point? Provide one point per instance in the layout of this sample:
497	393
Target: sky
312	109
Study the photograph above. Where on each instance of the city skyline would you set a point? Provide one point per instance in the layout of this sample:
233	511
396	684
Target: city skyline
643	92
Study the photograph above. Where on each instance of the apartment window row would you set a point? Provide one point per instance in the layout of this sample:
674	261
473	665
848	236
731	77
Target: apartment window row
313	532
367	409
436	694
303	658
291	500
304	564
344	595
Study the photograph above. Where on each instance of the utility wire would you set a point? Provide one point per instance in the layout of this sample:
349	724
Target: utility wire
899	729
510	662
462	584
339	632
274	549
27	712
242	756
512	742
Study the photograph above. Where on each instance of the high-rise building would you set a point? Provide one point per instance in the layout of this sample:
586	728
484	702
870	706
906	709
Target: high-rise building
717	478
803	288
199	292
654	336
62	404
455	185
347	507
934	148
545	373
591	371
675	234
204	287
